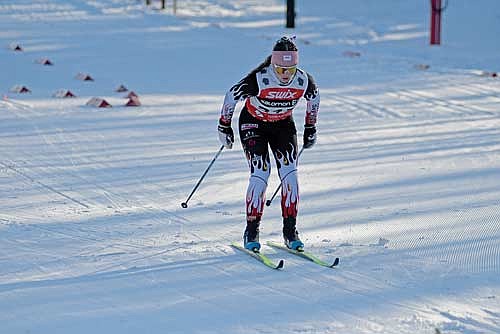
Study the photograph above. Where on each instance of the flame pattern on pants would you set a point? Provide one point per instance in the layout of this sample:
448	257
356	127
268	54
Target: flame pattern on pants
257	185
256	137
287	169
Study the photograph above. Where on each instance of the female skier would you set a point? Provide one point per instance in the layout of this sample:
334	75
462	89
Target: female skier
271	92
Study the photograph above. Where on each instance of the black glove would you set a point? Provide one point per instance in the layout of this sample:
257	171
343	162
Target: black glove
226	134
309	135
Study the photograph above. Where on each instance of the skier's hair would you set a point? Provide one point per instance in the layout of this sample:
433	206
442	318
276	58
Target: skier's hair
262	65
265	63
285	44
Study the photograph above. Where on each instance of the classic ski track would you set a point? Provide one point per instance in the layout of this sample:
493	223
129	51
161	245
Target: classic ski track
357	104
46	186
91	253
459	246
484	255
356	278
49	143
450	105
422	140
76	234
328	286
140	244
17	106
287	292
110	195
415	125
160	219
421	97
324	277
270	287
365	283
55	170
479	89
25	175
117	201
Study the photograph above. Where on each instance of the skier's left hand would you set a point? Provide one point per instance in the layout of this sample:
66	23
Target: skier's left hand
309	135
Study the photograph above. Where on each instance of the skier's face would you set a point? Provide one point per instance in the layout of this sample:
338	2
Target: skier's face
285	74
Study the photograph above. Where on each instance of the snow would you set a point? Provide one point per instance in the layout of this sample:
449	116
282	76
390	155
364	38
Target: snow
402	184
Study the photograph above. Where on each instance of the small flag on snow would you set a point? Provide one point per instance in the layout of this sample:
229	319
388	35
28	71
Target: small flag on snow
16	47
20	89
84	77
98	102
133	102
44	61
132	94
64	93
121	89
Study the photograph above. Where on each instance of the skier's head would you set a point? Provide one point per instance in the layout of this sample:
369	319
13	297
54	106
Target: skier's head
284	59
285	52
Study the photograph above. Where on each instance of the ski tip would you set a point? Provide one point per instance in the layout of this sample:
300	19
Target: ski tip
335	262
280	264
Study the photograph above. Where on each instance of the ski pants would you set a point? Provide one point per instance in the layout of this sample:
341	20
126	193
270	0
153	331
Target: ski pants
256	137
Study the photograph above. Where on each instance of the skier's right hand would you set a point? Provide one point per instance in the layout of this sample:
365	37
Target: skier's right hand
226	134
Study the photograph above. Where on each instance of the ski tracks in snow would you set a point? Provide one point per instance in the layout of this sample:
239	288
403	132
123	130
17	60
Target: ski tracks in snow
389	161
463	96
121	229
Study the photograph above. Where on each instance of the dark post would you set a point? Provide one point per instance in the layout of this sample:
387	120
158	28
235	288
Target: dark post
148	2
290	13
436	10
162	4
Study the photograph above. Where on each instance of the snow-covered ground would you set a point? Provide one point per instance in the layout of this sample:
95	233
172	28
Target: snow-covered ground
403	184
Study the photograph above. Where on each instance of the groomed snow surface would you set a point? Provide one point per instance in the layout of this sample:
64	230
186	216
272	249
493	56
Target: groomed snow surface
403	184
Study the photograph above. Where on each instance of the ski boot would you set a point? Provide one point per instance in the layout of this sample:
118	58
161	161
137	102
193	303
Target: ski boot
290	234
251	236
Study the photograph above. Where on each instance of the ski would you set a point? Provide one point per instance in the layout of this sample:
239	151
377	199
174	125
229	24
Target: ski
259	256
305	255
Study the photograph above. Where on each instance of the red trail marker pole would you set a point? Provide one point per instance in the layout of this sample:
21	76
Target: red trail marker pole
436	10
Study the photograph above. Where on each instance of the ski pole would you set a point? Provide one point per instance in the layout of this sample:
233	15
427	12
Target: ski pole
184	204
269	201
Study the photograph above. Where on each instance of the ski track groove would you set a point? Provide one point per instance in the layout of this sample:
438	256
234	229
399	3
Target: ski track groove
111	196
43	185
49	143
68	232
450	105
469	251
108	194
367	108
49	167
324	280
479	90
